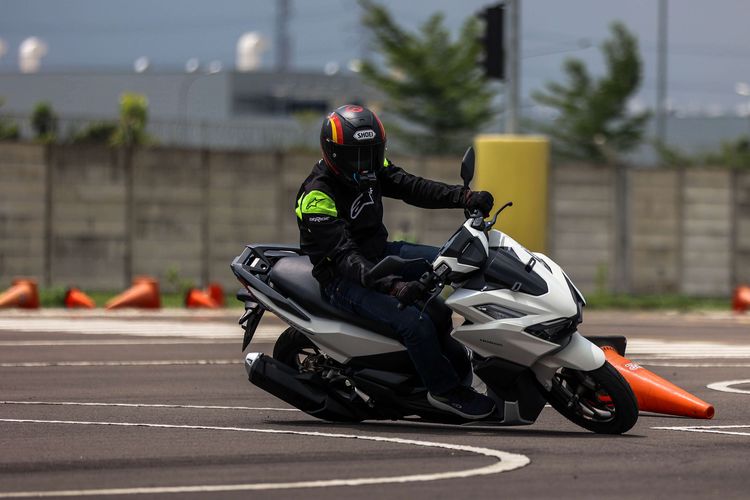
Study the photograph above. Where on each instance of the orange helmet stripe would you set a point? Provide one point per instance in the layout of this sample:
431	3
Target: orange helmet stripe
337	134
382	129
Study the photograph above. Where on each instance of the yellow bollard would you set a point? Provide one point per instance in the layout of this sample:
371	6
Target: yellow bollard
515	168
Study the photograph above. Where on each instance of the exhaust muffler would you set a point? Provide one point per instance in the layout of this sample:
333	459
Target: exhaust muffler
301	390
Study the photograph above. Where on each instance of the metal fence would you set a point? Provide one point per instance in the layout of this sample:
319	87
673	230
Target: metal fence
260	134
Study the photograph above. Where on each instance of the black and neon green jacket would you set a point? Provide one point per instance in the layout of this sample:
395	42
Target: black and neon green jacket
341	228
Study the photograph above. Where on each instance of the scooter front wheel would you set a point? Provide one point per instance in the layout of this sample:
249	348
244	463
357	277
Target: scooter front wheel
599	400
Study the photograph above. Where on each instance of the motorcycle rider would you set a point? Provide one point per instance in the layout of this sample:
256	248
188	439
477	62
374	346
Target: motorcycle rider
340	217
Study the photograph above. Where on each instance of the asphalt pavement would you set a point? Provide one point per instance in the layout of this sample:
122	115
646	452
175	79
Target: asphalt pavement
158	405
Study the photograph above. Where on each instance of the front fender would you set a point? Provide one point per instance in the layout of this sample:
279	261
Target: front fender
579	354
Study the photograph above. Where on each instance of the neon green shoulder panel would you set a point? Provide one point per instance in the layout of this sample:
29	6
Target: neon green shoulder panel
316	202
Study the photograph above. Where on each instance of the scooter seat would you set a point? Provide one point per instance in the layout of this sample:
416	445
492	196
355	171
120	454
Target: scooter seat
292	276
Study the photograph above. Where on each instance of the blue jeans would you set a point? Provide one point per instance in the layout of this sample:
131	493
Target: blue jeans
440	360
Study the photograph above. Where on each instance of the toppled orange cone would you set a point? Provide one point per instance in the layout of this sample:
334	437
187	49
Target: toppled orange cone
76	299
216	292
741	299
144	294
199	299
23	293
656	394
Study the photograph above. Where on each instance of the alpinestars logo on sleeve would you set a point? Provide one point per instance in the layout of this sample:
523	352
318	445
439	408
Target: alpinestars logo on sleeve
313	203
360	203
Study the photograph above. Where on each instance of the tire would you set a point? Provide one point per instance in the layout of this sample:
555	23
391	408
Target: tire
292	347
605	403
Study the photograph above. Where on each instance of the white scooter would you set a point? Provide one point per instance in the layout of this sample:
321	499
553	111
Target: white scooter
521	315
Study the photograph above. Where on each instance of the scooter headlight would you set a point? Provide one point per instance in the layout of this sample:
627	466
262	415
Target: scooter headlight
554	331
499	312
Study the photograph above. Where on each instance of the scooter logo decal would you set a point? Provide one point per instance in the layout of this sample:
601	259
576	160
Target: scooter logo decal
632	366
359	203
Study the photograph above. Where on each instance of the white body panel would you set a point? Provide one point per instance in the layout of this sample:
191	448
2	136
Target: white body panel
579	354
489	337
340	340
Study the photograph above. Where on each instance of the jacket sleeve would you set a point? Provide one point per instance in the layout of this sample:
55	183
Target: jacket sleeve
397	183
334	244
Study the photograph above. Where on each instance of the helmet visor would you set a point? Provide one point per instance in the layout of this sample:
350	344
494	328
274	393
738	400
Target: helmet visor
359	159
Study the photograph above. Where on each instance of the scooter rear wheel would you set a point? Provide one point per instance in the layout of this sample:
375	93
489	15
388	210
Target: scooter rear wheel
292	348
295	350
599	400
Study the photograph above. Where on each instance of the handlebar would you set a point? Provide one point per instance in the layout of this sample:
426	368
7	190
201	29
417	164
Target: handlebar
478	221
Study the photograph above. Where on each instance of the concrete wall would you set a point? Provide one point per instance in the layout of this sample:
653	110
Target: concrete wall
23	171
582	237
95	217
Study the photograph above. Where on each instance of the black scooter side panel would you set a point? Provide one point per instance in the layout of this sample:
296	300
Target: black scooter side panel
300	391
511	382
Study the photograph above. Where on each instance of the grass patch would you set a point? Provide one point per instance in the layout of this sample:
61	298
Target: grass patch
55	297
655	302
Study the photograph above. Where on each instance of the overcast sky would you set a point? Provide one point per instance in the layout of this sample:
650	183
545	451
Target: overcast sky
709	41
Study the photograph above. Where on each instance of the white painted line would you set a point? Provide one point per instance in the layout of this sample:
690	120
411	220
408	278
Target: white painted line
167	362
660	349
137	328
726	386
504	462
713	429
683	364
95	342
142	405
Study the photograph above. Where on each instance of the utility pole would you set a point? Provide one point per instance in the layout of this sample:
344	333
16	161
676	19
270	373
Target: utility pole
512	67
283	43
661	85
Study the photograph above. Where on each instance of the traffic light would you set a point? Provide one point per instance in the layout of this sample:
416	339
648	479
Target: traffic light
493	59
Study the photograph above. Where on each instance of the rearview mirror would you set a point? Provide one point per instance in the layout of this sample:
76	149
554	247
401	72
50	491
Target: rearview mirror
467	166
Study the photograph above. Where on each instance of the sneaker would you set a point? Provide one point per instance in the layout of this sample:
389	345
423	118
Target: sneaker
464	402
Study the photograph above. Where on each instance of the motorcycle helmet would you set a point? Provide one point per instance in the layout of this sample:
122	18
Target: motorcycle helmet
352	140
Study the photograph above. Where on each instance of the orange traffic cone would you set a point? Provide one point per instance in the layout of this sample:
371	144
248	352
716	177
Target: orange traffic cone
144	293
74	298
198	298
741	299
23	293
656	394
217	293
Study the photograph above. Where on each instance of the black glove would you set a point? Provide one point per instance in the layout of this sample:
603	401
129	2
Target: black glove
407	292
479	200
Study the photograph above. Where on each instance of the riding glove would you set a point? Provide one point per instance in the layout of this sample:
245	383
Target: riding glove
407	292
479	200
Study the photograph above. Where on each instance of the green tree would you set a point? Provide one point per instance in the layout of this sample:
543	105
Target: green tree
8	130
44	122
732	154
95	133
131	130
593	122
432	83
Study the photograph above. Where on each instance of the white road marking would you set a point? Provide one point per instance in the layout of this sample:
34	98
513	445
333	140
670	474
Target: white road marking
651	348
143	405
692	365
726	386
713	429
166	362
137	328
504	462
158	330
94	342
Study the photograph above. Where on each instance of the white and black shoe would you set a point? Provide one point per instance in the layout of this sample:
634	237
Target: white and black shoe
464	402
